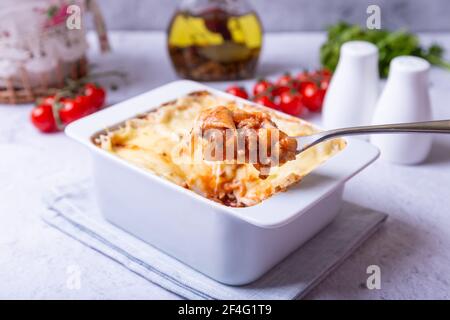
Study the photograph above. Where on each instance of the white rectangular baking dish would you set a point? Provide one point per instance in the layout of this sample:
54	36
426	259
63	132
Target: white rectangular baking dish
232	245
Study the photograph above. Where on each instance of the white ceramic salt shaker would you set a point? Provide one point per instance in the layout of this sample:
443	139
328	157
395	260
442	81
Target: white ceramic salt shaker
354	88
404	99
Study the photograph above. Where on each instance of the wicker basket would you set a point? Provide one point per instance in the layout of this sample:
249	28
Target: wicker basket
38	56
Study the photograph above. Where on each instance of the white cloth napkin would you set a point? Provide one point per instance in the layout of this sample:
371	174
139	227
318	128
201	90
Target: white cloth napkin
72	210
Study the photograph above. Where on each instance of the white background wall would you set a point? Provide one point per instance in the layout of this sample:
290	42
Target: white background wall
291	15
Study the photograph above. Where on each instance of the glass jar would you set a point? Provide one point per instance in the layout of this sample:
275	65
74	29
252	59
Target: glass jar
213	40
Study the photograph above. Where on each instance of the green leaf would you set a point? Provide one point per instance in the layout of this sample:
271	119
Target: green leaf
390	44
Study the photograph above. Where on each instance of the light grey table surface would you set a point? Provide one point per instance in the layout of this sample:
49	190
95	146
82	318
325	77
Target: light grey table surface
412	249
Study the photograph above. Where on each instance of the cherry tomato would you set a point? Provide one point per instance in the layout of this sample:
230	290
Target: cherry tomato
312	95
321	73
237	91
262	86
324	83
303	76
82	102
74	109
48	100
86	103
284	81
96	95
43	119
266	101
278	91
322	77
291	103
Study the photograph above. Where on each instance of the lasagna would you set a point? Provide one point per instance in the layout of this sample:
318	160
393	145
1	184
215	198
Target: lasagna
242	136
161	141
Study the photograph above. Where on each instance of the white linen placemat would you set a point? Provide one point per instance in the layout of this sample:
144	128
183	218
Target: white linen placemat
72	210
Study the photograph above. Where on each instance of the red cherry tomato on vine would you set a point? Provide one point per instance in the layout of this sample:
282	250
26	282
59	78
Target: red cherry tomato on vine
322	77
73	105
261	86
74	109
43	119
321	73
237	91
313	96
291	103
278	91
303	76
284	81
48	100
266	101
87	104
324	84
96	94
283	84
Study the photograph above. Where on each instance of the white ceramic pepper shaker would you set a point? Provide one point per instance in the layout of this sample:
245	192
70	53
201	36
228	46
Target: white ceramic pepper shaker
404	99
354	88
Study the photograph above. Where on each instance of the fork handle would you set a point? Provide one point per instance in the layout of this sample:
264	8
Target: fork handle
440	126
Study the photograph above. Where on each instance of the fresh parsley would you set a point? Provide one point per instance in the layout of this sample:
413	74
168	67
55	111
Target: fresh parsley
390	44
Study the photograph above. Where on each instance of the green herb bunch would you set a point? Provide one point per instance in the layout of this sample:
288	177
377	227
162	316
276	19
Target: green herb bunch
390	44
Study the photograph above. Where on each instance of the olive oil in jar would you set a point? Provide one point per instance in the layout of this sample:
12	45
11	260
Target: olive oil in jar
214	44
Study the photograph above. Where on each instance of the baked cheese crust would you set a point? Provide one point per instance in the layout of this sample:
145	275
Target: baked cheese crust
159	142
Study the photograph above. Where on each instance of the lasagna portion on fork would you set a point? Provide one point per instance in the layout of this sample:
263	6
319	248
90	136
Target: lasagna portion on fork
231	133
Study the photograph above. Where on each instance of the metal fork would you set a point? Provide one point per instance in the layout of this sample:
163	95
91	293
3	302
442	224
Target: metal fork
306	142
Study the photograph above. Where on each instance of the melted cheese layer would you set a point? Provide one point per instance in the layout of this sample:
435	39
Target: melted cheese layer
158	140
